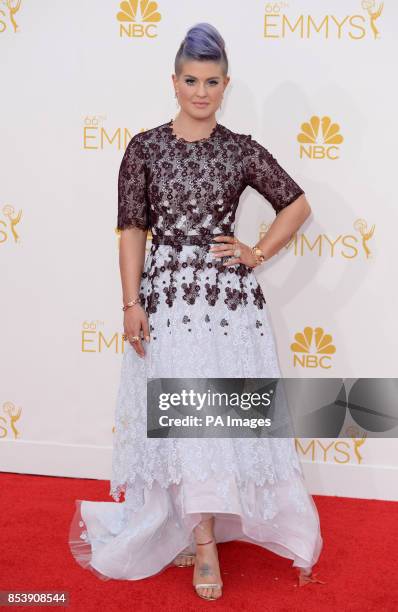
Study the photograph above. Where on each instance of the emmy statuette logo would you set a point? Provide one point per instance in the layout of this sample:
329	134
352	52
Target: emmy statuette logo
8	228
8	422
8	14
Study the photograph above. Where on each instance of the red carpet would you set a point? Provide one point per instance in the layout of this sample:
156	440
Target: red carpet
359	561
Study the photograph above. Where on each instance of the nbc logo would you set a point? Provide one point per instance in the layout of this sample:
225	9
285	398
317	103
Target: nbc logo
312	348
319	138
138	18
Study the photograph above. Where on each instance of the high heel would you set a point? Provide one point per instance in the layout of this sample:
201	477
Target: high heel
204	585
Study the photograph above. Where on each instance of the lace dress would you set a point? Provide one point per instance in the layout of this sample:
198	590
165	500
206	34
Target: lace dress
206	320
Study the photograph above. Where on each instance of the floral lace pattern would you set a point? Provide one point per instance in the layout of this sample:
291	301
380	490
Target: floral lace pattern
246	351
179	188
187	193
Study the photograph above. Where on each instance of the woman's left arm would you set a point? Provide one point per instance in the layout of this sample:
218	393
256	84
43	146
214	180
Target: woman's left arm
262	171
284	226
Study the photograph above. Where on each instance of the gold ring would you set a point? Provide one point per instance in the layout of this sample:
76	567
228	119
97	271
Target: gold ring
135	338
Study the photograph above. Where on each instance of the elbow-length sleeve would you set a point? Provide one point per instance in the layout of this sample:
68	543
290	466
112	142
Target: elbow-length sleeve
133	206
263	173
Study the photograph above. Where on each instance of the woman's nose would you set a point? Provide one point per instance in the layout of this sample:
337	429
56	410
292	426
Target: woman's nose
201	91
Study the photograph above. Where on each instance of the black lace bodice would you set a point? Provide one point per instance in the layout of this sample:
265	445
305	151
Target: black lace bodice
179	188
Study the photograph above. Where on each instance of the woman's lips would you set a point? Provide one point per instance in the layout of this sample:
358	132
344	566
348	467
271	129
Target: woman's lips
201	103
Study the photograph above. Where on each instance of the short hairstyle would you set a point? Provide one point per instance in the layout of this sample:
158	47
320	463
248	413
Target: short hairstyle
202	42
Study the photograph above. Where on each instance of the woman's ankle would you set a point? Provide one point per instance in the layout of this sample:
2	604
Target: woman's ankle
204	531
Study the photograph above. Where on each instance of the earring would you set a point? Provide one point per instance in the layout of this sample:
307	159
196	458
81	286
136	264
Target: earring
177	102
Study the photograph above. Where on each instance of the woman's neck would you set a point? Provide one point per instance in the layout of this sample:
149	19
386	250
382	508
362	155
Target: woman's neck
193	128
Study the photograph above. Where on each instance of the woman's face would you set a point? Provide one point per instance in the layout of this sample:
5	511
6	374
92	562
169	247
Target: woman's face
200	87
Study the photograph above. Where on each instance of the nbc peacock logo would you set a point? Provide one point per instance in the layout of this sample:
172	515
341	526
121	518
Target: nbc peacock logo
138	19
320	138
8	15
312	348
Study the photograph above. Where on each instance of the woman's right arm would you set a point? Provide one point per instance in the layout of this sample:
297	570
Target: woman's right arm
133	222
131	264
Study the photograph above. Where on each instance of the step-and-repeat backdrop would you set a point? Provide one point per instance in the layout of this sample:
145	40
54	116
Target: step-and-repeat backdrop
313	81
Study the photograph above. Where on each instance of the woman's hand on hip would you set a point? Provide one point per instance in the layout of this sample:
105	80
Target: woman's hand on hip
238	251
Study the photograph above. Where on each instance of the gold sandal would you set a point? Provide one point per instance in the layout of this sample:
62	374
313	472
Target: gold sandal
205	585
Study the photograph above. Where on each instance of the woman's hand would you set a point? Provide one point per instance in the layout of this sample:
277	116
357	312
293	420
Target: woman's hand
135	320
246	256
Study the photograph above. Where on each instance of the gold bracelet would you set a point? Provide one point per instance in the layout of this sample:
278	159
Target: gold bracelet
131	303
258	254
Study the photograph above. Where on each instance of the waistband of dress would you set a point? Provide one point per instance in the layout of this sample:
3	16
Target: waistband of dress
189	240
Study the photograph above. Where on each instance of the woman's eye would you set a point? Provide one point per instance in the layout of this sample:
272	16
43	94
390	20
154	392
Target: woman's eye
213	82
189	81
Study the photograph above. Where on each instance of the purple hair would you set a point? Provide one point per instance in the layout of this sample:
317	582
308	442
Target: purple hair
202	42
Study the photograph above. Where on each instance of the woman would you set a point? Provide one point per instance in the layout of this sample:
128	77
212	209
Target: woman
202	313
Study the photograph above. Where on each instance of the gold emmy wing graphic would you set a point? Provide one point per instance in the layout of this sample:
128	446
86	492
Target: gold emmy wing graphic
13	414
374	13
13	220
304	343
358	441
13	8
362	227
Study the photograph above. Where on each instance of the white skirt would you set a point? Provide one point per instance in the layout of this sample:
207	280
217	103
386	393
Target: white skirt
253	486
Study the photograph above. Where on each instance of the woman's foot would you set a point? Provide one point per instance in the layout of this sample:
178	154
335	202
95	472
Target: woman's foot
305	576
207	572
207	568
184	559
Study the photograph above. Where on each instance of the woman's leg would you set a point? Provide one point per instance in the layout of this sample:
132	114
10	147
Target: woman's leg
207	569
